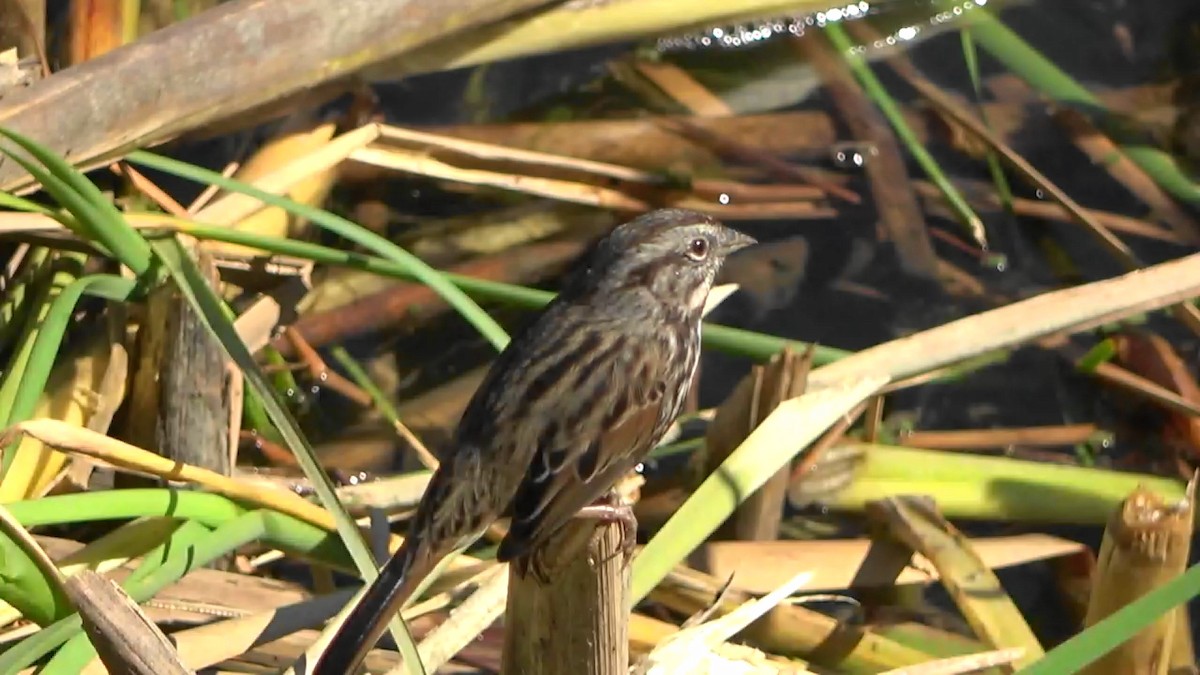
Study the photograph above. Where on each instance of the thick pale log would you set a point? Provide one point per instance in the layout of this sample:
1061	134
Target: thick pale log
22	24
234	57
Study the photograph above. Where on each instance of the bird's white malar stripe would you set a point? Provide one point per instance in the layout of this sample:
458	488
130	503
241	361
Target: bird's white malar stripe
697	298
717	295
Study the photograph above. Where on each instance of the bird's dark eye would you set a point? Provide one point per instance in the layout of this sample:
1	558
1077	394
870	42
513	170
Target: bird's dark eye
698	249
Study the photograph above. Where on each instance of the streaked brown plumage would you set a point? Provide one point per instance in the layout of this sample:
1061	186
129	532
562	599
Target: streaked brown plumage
576	401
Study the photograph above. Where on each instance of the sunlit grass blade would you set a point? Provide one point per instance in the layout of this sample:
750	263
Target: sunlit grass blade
771	445
887	105
31	582
1071	656
83	226
89	205
58	273
1027	63
29	383
21	294
21	204
180	560
351	231
51	333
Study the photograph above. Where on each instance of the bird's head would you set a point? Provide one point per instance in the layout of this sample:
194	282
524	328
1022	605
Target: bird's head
671	254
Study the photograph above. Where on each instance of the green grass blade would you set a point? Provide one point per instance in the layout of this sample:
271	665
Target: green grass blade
1027	63
885	103
50	336
1077	652
971	60
25	380
86	214
206	508
21	204
56	274
351	231
107	225
26	588
32	274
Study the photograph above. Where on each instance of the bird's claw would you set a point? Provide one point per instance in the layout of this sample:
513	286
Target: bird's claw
607	512
534	565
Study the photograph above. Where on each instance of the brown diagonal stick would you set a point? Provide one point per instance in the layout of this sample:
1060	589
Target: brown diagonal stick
125	639
728	147
1104	153
982	195
990	439
321	372
898	209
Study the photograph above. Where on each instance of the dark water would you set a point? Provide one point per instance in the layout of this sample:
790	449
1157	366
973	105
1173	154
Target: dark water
851	292
1103	44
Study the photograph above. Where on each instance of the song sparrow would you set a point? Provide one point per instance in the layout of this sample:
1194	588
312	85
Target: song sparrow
574	402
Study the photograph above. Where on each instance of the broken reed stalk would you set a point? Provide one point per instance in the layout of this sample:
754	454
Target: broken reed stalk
126	641
578	624
758	518
1146	544
178	398
179	393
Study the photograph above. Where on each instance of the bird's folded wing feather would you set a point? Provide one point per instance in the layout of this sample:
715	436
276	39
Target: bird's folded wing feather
562	480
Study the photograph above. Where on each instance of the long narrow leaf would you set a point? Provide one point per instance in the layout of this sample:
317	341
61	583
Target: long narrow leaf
420	271
970	60
1030	65
29	383
50	336
735	340
781	436
837	35
86	214
57	275
21	204
105	220
1072	655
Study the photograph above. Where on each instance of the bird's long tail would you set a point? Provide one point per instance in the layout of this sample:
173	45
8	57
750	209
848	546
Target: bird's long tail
397	581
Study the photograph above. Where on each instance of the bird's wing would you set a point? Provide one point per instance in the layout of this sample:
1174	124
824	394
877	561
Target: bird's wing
564	477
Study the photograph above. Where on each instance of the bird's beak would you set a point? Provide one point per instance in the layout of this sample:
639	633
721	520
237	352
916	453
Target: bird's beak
735	241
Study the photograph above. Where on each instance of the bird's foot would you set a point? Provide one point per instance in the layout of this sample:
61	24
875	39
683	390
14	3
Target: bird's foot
534	564
609	509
